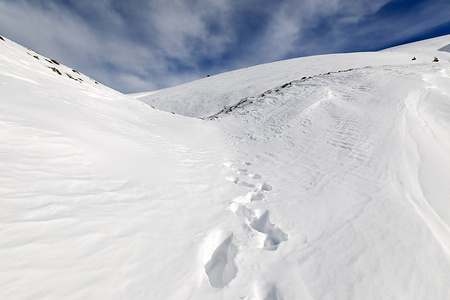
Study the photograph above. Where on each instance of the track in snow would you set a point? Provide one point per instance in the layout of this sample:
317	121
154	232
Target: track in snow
329	187
341	146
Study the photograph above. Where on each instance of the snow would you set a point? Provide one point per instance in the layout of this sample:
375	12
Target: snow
445	48
329	180
207	96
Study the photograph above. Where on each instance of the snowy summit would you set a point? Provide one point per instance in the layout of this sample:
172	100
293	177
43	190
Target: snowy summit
324	177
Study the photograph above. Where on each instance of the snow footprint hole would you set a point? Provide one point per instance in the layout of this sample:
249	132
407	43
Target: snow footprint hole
274	235
221	268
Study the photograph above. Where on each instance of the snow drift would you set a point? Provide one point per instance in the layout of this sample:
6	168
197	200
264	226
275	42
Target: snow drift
316	178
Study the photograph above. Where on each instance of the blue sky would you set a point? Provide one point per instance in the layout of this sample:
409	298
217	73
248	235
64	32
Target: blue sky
142	45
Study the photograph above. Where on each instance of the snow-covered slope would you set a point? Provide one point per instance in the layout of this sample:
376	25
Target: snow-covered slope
423	50
359	168
324	178
207	96
102	197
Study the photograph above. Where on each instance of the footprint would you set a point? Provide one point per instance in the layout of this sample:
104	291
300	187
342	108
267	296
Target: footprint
221	268
257	196
272	294
233	179
266	187
255	176
274	235
242	171
239	182
244	212
246	184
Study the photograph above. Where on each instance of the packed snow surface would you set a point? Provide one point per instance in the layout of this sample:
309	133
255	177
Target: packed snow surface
324	177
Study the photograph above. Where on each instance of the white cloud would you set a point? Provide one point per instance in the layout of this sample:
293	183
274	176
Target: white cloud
165	33
140	45
62	34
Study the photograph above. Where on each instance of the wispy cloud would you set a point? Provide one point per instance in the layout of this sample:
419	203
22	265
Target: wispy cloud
141	45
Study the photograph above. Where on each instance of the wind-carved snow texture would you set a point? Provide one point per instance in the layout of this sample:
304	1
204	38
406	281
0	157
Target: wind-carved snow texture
221	268
275	91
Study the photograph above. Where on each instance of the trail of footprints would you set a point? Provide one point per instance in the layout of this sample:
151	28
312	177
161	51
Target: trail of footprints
221	268
261	223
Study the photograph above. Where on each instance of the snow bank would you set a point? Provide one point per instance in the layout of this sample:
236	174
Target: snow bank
329	182
207	96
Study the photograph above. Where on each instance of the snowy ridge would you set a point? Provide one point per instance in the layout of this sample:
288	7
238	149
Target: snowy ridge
207	96
331	184
94	187
277	90
356	155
